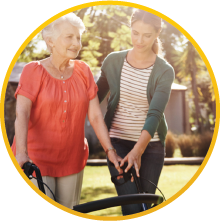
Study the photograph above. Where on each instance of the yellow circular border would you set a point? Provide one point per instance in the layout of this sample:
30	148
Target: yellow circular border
134	6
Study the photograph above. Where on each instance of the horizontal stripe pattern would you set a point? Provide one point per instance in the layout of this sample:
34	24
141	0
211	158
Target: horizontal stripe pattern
132	108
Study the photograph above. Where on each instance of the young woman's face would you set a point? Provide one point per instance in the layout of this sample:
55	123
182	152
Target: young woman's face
143	36
68	43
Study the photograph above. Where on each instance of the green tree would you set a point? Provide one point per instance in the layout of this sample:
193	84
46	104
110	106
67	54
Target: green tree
30	54
171	39
194	74
108	26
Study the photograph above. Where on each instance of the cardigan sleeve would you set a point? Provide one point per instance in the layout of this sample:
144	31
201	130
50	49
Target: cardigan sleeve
90	83
159	101
103	85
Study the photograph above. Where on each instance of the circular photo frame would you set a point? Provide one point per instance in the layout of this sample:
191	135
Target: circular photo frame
165	19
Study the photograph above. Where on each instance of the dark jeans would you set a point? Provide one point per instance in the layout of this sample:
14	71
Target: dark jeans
152	162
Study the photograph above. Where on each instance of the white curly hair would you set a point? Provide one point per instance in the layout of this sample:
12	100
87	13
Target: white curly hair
51	30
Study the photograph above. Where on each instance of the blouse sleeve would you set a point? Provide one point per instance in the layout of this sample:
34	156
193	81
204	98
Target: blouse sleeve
30	82
90	83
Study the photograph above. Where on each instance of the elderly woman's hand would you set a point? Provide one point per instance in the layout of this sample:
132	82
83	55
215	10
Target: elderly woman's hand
114	158
23	158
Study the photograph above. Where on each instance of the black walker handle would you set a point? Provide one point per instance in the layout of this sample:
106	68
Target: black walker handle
29	168
127	176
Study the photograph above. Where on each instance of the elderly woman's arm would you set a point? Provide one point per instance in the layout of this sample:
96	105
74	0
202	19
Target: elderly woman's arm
23	109
96	120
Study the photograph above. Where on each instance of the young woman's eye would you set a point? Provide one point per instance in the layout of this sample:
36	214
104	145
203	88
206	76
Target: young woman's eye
148	36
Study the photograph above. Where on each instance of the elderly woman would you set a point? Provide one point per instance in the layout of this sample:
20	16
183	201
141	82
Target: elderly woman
53	97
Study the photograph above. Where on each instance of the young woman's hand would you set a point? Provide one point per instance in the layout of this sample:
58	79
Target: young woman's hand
134	159
23	158
134	156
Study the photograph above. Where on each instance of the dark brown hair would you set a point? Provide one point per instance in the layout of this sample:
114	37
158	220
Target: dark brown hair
151	19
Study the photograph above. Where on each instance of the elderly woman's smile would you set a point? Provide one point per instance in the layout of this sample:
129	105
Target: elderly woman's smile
73	50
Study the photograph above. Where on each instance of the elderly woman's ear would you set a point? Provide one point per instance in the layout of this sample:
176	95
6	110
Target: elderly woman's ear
50	44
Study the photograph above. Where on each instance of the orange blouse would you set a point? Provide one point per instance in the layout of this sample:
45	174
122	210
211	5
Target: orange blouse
55	139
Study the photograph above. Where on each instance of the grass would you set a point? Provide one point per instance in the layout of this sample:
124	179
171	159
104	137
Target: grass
97	184
175	177
177	153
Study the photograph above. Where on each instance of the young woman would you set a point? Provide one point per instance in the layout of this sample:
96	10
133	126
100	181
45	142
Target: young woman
139	82
53	97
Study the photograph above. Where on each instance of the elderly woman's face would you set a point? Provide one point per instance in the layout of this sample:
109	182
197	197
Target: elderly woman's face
68	43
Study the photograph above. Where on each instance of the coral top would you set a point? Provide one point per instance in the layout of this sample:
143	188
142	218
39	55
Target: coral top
55	139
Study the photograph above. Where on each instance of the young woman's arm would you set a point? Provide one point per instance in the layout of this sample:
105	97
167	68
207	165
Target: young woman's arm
23	109
103	86
159	101
155	112
96	119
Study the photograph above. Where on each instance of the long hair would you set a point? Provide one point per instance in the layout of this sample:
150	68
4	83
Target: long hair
155	21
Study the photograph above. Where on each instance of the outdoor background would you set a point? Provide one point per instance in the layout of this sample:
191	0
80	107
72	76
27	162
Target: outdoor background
107	31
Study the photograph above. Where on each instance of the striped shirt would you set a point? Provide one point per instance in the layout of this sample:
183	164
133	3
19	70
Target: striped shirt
132	108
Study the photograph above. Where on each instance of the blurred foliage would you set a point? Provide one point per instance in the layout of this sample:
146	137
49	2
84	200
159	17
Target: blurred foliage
185	143
200	94
172	40
107	30
170	144
194	145
30	52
